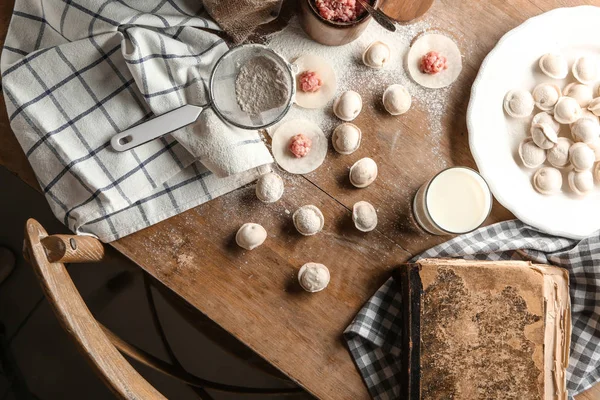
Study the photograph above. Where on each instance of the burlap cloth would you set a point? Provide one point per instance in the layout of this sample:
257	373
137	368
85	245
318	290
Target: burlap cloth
239	18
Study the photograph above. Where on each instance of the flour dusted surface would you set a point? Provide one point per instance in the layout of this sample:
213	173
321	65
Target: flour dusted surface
352	74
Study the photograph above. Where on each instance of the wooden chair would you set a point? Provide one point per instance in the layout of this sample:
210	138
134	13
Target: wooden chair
101	347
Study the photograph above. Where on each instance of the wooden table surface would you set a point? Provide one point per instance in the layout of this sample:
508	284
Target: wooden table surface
254	295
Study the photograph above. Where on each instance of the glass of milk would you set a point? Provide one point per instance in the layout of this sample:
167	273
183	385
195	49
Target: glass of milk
456	200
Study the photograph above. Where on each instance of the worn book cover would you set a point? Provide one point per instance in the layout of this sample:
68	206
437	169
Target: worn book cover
484	330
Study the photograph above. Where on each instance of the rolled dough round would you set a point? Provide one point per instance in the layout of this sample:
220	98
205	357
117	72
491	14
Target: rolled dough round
443	45
281	142
320	98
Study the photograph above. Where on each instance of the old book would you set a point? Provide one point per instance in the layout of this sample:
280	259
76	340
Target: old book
484	330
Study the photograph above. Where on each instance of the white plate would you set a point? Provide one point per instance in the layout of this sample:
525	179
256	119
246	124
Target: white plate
494	137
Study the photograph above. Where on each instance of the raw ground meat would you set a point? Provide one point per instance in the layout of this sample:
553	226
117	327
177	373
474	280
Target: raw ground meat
300	145
339	10
310	81
432	63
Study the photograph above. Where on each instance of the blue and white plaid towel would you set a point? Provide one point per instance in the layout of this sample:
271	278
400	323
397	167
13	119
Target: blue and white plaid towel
75	72
372	336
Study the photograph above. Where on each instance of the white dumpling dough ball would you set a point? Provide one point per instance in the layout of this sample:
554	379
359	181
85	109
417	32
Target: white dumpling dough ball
396	99
585	69
581	182
348	105
364	216
583	94
554	65
582	157
250	236
363	172
518	103
531	154
547	180
376	55
269	188
308	220
313	277
567	110
558	156
346	138
585	130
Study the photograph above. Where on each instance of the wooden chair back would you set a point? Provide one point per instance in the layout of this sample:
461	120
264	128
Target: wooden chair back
47	254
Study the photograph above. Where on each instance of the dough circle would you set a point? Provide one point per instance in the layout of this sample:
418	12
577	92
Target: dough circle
443	45
281	140
320	98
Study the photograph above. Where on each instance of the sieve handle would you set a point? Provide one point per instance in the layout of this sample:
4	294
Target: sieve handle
156	127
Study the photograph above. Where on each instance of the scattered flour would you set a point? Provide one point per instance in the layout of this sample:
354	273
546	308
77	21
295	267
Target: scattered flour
352	74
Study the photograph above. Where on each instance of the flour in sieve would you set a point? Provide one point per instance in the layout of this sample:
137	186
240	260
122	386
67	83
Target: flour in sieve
261	85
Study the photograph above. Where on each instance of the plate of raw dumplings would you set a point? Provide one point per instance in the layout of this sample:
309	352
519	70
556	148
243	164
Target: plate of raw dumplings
533	122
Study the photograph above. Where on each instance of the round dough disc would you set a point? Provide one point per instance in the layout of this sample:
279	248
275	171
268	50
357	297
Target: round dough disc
443	45
281	142
320	98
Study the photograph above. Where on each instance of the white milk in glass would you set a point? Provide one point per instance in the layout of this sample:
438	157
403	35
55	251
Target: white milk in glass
457	200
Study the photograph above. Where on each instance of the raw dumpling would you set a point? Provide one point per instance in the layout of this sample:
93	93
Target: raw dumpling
544	135
595	146
284	157
581	156
594	106
546	95
567	110
518	103
585	69
376	55
554	65
531	155
326	75
558	156
442	45
589	115
545	118
582	93
363	172
313	277
396	99
585	130
308	220
348	105
581	182
364	216
250	236
547	180
269	188
346	138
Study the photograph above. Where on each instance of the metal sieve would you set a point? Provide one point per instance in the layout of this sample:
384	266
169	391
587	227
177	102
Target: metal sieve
222	99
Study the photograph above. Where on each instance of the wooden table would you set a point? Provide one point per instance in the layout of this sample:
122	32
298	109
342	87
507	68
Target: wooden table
254	295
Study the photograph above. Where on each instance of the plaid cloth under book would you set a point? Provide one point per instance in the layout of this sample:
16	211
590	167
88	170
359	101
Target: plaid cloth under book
372	336
76	72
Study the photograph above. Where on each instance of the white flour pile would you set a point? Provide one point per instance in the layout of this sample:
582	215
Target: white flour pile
352	74
261	85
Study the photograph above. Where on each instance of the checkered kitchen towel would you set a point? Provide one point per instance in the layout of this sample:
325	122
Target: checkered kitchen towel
75	72
372	335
